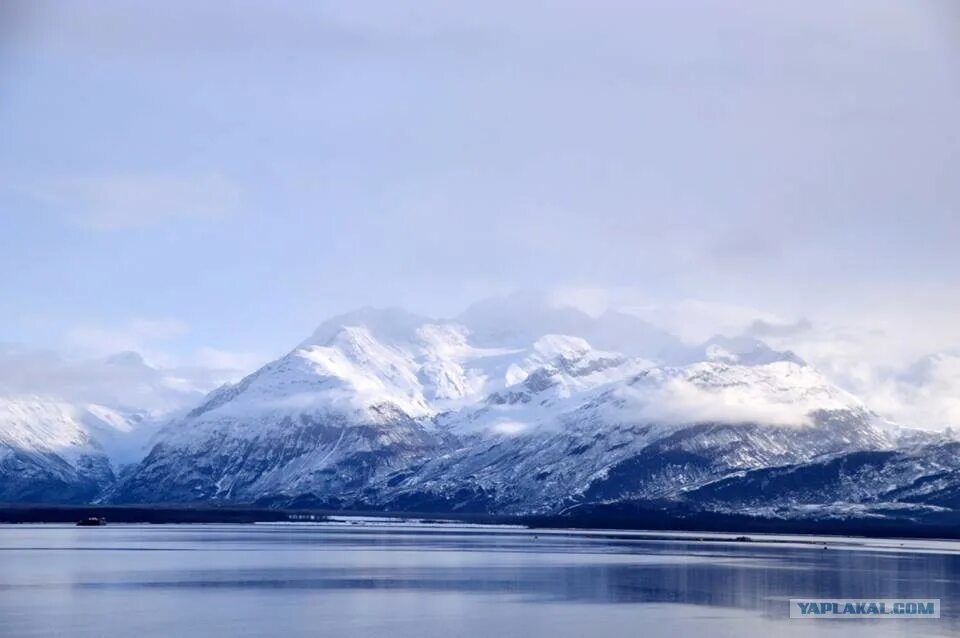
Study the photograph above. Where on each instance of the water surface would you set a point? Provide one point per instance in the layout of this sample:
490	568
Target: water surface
357	579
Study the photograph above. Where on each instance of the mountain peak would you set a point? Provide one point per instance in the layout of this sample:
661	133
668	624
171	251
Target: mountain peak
389	325
739	350
380	401
562	346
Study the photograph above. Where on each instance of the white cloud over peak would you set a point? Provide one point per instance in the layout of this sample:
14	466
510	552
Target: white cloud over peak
692	319
897	353
928	394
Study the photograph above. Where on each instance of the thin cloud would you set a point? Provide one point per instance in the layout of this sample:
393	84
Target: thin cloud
123	381
217	359
124	201
682	400
761	328
136	335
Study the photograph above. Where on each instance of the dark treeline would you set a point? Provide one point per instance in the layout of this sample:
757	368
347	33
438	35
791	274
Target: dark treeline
621	516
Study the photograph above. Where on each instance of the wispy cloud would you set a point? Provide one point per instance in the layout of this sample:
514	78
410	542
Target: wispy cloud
160	341
123	201
761	328
142	364
217	359
683	400
136	335
121	381
926	395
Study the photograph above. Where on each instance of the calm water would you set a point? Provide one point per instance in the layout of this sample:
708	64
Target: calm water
361	580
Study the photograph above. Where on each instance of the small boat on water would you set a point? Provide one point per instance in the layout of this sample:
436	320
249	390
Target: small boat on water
92	521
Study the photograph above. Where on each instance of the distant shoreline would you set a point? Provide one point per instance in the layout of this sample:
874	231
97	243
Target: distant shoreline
946	527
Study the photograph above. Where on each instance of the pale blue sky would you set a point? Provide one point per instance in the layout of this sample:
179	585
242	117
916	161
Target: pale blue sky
181	175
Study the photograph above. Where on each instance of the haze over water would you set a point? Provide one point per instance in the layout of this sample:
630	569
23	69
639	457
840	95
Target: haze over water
402	580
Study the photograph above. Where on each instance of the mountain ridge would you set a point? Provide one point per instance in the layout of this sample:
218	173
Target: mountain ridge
384	410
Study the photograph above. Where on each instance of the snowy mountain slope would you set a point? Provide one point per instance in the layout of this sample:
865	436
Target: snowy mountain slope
56	451
69	426
346	408
387	410
926	474
243	459
604	446
352	402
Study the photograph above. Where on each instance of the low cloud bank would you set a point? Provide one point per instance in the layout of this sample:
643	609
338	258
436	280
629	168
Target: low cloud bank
122	381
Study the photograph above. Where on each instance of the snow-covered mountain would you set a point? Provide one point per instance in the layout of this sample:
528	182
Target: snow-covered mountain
70	426
52	450
388	410
925	474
